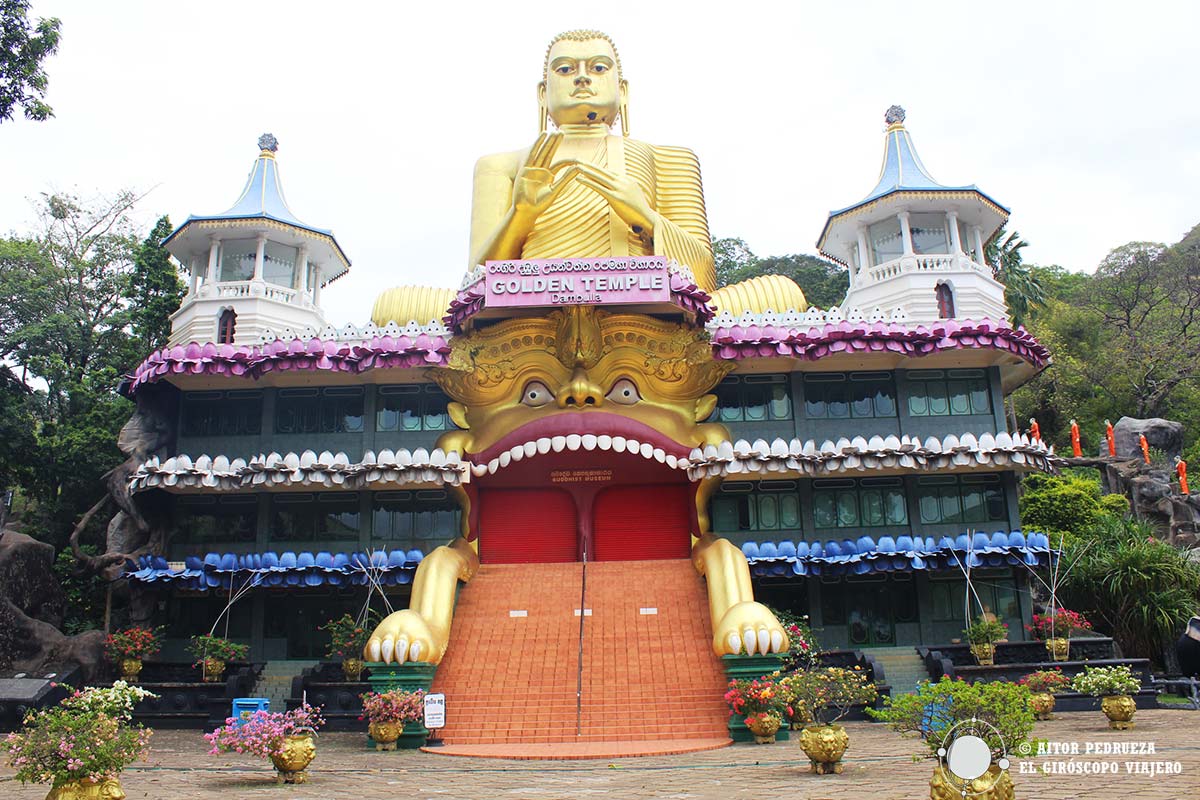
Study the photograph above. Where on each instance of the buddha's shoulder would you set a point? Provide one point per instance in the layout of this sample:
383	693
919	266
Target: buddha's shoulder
665	155
501	163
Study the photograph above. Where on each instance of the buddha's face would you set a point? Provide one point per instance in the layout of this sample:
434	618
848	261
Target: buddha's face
582	85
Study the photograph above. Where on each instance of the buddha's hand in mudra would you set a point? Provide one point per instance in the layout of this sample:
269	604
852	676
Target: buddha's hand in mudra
537	185
749	628
403	636
624	196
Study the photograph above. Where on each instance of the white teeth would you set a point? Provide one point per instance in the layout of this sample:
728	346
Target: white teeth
647	450
530	448
659	455
493	465
517	452
618	444
558	443
574	440
543	445
505	459
589	441
632	446
604	442
672	461
478	470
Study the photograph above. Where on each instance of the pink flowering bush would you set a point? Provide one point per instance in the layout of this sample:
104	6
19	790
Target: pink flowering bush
75	741
395	705
1063	622
264	733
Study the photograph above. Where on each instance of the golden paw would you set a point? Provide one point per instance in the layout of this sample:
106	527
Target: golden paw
749	628
403	636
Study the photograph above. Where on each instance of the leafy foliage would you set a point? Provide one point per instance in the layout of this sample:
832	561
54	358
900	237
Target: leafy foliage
1023	292
1046	680
23	47
829	693
1063	623
264	734
395	705
1106	681
347	637
221	649
135	642
985	631
1053	504
824	283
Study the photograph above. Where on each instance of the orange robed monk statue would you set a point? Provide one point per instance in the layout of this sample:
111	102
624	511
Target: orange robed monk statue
1145	445
1181	471
1035	430
1076	445
1111	438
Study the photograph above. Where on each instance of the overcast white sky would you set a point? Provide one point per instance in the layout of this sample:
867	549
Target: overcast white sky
1080	117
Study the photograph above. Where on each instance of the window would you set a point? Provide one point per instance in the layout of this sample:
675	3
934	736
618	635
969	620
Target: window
747	507
753	398
237	259
945	301
329	517
997	594
966	239
336	410
887	243
838	395
279	264
955	392
226	326
864	503
237	413
961	498
423	519
411	408
204	520
929	233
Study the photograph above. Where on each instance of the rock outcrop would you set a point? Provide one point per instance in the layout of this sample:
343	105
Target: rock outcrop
1161	434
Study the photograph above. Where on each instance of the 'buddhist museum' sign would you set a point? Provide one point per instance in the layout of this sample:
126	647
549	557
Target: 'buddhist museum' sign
572	281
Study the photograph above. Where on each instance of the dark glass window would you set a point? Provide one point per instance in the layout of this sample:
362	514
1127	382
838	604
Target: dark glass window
961	498
753	398
839	395
237	413
863	503
955	392
413	407
945	301
201	520
327	517
996	594
226	326
334	410
746	507
833	603
421	519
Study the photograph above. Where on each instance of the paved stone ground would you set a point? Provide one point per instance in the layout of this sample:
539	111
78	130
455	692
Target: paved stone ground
879	767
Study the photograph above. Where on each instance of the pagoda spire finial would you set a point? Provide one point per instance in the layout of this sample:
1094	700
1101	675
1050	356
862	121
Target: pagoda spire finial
894	116
268	143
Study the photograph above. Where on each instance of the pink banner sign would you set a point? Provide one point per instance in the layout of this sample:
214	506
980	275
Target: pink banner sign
577	281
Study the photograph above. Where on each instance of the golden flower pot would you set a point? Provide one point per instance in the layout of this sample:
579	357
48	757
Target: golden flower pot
130	667
985	654
385	734
1059	649
211	670
107	789
995	784
825	745
352	669
764	728
292	761
801	716
1042	704
1119	709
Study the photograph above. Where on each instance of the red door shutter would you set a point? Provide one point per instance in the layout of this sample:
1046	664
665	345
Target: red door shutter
527	526
634	523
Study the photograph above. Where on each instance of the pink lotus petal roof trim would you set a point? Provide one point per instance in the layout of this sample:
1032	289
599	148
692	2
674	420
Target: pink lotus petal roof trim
736	342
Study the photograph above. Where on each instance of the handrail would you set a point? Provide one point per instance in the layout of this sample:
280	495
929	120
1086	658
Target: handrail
579	669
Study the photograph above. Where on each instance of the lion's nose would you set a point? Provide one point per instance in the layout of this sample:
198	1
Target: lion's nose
580	391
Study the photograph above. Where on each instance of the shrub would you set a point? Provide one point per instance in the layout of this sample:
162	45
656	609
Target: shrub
985	631
828	693
1061	624
346	637
1105	681
203	647
1047	680
761	695
1066	506
116	702
1116	505
263	735
935	708
135	642
802	642
395	705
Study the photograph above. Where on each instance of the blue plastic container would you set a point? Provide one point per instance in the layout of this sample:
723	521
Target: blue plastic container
245	707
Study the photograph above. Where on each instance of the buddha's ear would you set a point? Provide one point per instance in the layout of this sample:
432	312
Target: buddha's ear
705	406
458	415
543	112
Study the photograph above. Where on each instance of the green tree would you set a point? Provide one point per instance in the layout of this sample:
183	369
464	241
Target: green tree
23	47
1023	292
155	290
824	283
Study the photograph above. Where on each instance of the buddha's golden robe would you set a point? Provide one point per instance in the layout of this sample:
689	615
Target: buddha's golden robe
580	224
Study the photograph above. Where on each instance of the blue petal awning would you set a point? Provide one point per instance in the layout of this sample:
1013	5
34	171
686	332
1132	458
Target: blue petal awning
221	570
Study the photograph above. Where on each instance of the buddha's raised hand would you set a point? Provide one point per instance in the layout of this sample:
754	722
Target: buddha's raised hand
536	184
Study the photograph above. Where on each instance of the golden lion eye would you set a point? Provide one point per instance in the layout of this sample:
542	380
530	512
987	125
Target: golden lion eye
536	394
624	392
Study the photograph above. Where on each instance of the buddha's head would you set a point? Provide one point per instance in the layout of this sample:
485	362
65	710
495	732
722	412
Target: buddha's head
581	82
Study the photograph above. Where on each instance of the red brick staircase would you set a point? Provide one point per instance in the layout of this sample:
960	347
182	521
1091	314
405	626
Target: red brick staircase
651	684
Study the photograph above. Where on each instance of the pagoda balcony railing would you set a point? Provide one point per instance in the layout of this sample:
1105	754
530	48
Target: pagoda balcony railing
271	291
910	264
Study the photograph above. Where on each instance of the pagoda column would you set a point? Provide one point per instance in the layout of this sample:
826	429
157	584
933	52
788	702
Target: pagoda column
214	251
864	254
978	234
316	284
905	232
301	282
194	268
259	255
952	225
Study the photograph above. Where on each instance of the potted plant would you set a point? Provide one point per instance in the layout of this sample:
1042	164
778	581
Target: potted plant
761	704
996	712
284	737
802	642
347	639
828	694
81	745
1056	629
212	653
127	648
388	712
983	634
1113	685
1042	686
